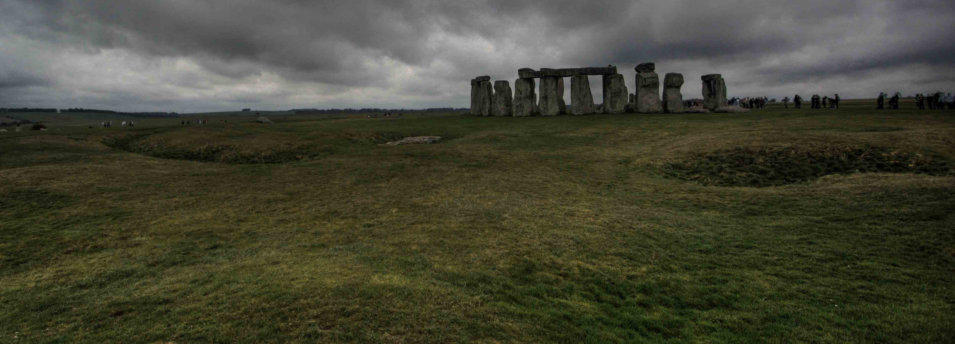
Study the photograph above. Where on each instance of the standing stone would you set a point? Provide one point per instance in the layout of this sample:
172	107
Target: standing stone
502	99
581	100
486	94
672	98
615	94
481	96
714	92
560	96
551	98
475	111
525	100
648	89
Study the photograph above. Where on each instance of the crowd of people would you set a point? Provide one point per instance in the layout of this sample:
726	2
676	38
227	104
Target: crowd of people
935	101
750	102
815	102
893	101
931	101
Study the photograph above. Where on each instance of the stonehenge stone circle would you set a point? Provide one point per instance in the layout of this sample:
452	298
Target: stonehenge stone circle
581	100
525	98
502	99
648	89
672	98
549	100
481	96
615	94
714	91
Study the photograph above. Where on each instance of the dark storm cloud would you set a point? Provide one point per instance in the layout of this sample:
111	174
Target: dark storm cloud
288	53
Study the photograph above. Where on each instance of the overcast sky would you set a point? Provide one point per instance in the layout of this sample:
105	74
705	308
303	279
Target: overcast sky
204	55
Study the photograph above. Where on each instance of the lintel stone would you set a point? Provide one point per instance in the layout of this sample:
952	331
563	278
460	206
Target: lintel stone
565	72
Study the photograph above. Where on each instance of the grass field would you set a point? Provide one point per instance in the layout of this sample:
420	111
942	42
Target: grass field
564	229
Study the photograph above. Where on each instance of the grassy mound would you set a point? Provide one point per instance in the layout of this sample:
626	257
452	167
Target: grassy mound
245	144
769	166
214	152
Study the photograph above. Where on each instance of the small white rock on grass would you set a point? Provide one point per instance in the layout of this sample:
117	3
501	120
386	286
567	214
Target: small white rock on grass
415	140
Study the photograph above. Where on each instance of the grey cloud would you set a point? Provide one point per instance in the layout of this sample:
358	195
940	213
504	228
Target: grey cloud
421	53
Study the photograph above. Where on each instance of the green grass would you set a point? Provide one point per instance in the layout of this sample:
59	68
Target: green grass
769	166
564	229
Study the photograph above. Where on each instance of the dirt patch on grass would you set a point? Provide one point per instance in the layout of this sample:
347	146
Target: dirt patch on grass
770	166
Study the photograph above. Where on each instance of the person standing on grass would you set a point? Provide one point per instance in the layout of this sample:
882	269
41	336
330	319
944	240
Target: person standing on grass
919	101
785	102
797	102
894	101
835	103
880	102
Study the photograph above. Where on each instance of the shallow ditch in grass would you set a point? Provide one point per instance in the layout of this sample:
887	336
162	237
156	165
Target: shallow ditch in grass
244	147
215	152
772	166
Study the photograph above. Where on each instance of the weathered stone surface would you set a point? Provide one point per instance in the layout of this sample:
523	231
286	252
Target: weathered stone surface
481	96
527	73
525	99
615	94
502	99
560	96
581	100
486	97
648	93
714	92
570	72
672	98
648	67
551	96
475	109
673	80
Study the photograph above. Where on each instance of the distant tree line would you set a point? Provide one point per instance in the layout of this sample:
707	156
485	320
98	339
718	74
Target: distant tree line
87	110
175	114
133	114
82	110
26	110
375	110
